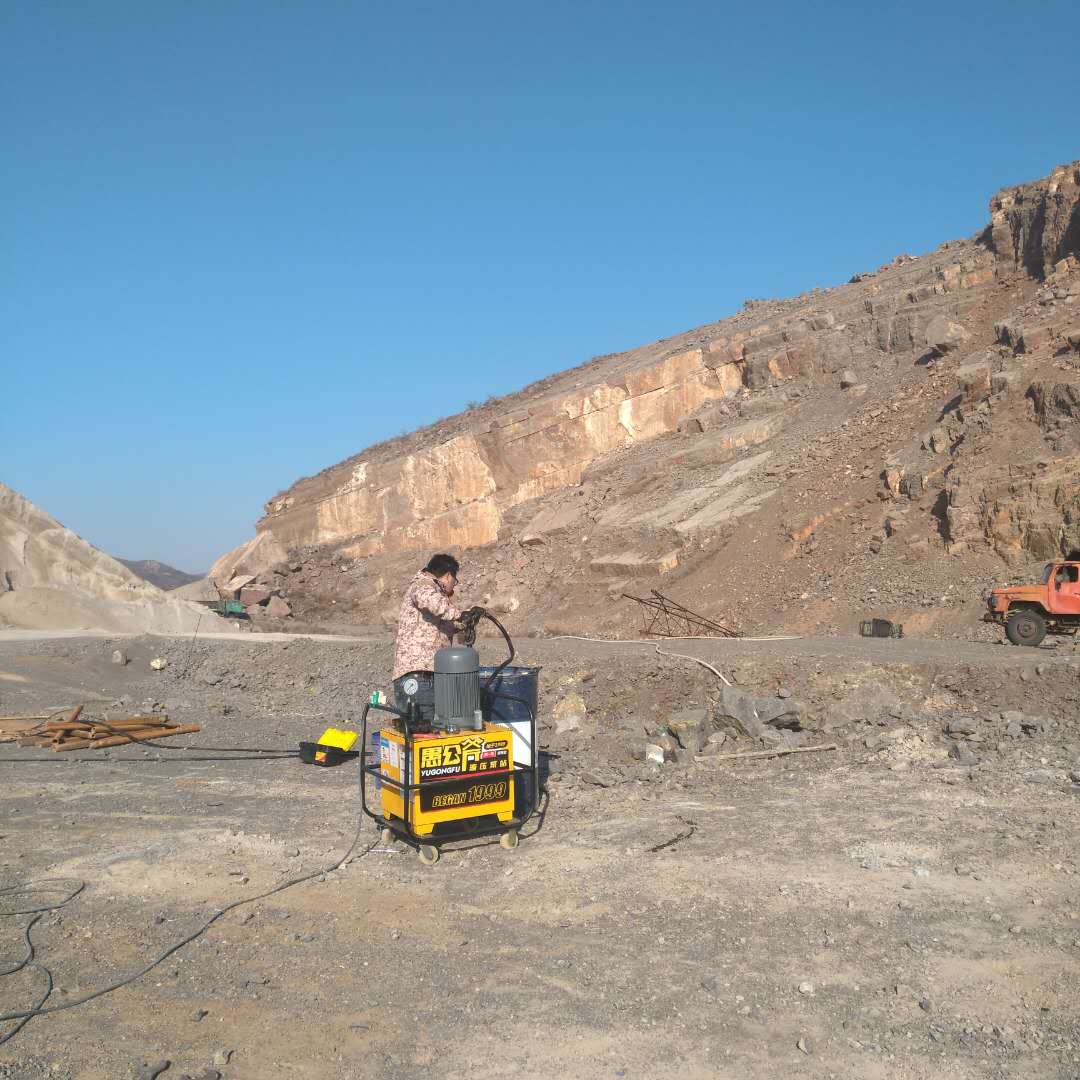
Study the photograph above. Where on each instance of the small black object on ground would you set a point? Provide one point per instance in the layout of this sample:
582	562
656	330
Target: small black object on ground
312	753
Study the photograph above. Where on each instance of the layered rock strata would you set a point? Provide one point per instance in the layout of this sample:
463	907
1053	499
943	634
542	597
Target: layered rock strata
454	493
1036	225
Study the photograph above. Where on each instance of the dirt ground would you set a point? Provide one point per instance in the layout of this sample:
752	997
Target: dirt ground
878	911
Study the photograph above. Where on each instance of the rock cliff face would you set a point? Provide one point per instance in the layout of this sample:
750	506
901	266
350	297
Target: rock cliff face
920	411
1037	225
1023	511
454	494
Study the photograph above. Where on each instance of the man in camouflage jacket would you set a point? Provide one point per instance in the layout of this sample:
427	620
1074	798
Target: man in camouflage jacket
427	621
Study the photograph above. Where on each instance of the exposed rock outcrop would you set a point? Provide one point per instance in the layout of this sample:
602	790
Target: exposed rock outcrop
1036	225
1023	511
455	492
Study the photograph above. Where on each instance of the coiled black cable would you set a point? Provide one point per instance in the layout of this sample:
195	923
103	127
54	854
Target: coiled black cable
9	897
23	1017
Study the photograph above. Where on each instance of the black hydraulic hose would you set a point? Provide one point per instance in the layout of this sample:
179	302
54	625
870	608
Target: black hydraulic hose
509	644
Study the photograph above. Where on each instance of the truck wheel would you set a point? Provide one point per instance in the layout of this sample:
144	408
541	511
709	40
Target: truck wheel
1025	628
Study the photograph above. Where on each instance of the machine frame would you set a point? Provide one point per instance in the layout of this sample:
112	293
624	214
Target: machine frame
427	844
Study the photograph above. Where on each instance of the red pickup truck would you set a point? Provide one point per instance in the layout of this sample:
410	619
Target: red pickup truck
1030	612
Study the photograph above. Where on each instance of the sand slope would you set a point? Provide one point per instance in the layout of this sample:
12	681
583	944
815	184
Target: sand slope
50	578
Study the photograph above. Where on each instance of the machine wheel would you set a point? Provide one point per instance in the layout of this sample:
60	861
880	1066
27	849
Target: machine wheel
386	836
429	854
1025	627
509	839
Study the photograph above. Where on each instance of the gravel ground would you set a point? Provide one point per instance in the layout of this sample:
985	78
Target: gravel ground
872	912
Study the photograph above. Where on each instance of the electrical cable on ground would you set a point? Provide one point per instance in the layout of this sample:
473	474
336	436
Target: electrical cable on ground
673	655
660	652
259	751
23	1017
679	637
213	749
72	887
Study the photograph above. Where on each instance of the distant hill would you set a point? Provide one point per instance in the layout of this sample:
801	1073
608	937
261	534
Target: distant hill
159	573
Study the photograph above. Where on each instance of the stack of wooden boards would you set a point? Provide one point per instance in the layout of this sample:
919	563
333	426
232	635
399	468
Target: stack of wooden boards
65	731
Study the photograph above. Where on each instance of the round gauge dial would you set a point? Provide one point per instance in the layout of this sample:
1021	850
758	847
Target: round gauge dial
410	686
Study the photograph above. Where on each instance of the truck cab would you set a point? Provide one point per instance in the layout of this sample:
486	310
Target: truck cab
1030	612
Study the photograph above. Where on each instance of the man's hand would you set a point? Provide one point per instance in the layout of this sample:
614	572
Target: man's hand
466	625
468	618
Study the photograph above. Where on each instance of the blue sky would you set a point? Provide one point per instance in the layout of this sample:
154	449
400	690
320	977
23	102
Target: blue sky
242	241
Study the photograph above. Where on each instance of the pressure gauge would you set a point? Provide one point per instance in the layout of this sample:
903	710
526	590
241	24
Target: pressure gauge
411	685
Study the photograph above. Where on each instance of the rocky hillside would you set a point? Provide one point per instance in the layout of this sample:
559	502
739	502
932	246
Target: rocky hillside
158	573
891	446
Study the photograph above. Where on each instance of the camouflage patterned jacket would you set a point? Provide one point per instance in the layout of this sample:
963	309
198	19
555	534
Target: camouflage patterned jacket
425	625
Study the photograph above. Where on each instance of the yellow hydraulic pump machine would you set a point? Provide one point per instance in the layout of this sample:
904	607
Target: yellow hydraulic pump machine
458	776
442	768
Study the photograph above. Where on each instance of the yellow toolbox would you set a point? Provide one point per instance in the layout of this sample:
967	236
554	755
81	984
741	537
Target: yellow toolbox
333	748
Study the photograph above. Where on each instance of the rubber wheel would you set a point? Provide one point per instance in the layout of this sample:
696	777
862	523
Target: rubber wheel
1025	628
509	840
429	854
386	836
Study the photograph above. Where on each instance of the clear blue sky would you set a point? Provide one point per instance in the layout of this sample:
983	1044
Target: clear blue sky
242	240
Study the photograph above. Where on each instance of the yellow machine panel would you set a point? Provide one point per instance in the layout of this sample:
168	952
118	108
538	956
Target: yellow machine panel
454	777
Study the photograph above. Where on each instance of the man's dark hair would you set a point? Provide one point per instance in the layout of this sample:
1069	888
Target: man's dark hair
442	564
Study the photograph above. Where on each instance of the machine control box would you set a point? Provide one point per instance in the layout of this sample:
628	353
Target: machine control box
452	777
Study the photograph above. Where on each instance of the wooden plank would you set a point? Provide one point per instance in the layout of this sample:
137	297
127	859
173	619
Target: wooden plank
93	739
120	740
158	720
108	733
95	733
101	725
150	718
17	727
